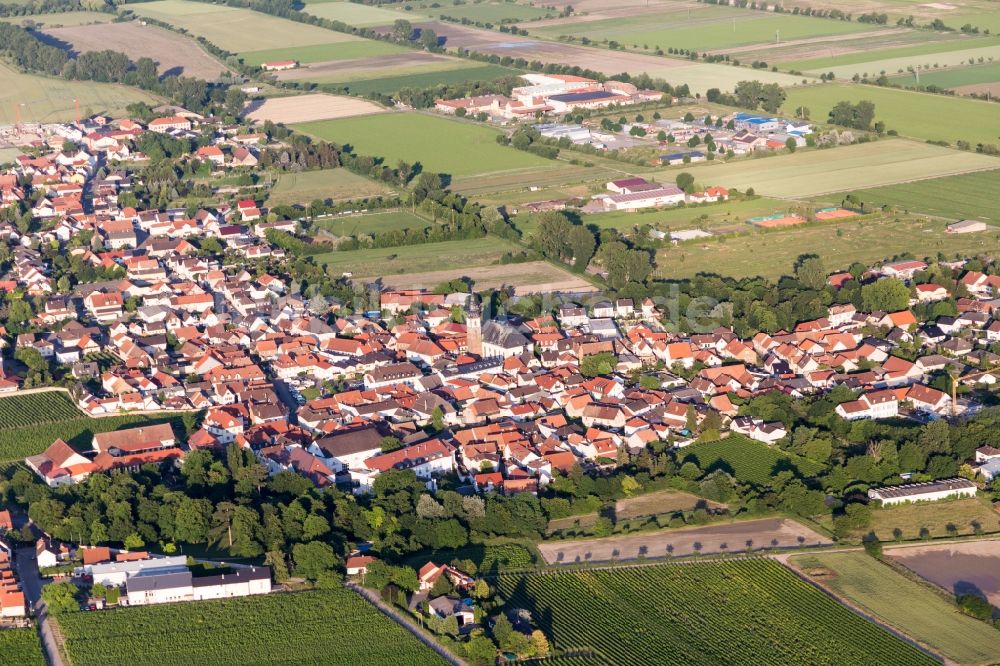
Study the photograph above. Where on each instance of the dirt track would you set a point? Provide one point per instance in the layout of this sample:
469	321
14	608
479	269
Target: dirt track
173	53
729	537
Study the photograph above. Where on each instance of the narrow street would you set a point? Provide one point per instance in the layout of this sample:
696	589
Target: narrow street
31	583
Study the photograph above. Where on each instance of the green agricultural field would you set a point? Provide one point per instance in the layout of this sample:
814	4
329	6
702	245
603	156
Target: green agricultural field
972	195
76	429
361	16
239	30
984	20
417	77
809	173
751	611
440	144
7	155
60	19
913	608
954	77
773	253
372	223
368	48
918	115
490	12
18	411
21	647
748	461
873	62
418	258
315	627
49	99
336	184
703	29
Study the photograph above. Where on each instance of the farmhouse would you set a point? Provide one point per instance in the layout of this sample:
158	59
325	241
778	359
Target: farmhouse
663	196
931	491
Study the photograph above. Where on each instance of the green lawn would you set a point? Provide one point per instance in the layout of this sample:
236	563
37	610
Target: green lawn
324	52
773	253
905	604
417	77
874	61
809	173
441	145
957	197
417	258
919	115
954	77
704	29
317	627
361	16
372	223
336	184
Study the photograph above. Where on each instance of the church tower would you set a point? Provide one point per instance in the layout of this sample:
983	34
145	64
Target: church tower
474	327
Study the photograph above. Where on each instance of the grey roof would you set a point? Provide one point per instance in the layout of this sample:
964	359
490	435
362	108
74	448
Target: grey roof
501	335
235	576
158	581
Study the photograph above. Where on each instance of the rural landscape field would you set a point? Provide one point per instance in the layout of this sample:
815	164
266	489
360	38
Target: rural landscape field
485	332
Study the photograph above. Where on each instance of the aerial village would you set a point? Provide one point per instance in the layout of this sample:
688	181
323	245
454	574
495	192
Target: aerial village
433	382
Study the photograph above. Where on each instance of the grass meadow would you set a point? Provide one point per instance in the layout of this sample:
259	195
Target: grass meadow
953	77
336	184
904	603
772	254
440	144
875	60
61	19
50	99
957	197
360	16
372	223
809	173
917	115
417	258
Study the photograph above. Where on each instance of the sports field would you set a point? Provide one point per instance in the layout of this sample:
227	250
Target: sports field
337	184
972	195
918	115
735	612
439	144
368	48
360	16
239	30
953	77
418	258
815	172
903	603
711	28
48	99
772	254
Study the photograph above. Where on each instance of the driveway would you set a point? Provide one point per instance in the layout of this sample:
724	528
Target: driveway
31	583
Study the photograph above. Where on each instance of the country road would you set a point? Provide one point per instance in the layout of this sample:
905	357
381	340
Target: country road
31	583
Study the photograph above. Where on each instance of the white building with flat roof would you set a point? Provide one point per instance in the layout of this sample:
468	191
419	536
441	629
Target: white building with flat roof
930	491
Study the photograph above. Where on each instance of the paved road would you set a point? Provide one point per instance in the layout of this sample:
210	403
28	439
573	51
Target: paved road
31	583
